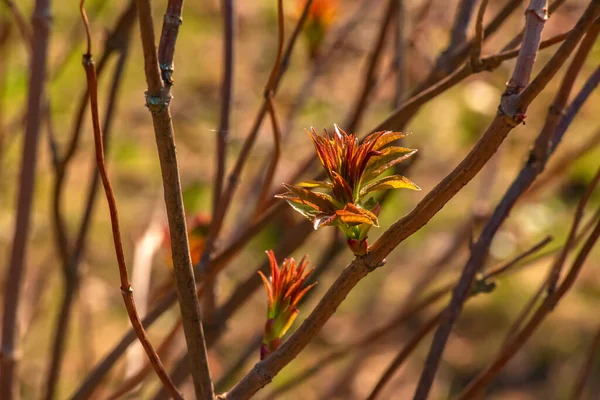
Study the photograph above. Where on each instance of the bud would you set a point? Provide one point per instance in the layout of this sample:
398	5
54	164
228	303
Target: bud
285	288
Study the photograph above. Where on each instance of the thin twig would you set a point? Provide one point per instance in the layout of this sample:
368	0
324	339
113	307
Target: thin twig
399	50
228	11
21	22
269	94
126	289
484	378
232	182
131	382
586	367
352	121
73	255
475	53
16	267
404	353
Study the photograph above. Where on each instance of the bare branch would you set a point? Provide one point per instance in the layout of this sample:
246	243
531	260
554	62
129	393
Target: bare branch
158	98
17	264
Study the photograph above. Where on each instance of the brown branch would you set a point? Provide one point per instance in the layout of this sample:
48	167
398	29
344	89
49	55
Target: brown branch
269	94
293	239
560	163
352	121
16	267
404	313
126	289
404	353
22	24
445	62
543	141
502	124
485	377
586	368
479	251
219	262
475	53
72	260
518	38
399	50
228	11
134	380
157	101
232	182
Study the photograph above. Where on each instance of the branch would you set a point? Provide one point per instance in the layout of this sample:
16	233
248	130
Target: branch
17	265
586	368
352	122
502	124
71	259
519	186
158	98
126	289
475	54
228	11
484	378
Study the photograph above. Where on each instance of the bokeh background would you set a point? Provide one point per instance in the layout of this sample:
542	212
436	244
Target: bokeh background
443	131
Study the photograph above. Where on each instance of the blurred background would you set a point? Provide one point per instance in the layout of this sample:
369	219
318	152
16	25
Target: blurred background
317	93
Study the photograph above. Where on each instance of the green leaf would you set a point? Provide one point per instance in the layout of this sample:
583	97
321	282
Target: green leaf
389	157
388	137
389	182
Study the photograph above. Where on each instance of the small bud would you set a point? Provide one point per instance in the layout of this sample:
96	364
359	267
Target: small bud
285	288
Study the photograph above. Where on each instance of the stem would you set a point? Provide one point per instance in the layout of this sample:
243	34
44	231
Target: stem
16	267
157	100
71	263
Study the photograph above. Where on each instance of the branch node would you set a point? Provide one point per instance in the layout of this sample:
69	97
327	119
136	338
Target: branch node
127	290
481	285
158	104
540	13
166	73
87	60
173	19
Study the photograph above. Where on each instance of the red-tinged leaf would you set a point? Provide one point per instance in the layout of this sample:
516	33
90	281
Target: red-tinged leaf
362	211
352	218
301	294
267	285
323	201
341	189
374	137
389	182
315	184
274	273
389	157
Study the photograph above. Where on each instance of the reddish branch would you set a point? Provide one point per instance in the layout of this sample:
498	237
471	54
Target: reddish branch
126	289
17	264
71	255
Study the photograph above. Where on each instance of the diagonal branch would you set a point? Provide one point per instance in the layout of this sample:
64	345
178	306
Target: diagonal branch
502	124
